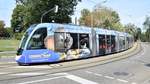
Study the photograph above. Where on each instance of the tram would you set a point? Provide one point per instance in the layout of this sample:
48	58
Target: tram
52	42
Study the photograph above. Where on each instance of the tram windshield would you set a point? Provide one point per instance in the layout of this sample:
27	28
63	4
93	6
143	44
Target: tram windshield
37	39
24	39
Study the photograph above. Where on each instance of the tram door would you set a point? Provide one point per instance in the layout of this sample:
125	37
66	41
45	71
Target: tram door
113	44
108	44
102	44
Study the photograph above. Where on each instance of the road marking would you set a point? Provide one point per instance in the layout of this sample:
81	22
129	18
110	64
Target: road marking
27	74
93	73
58	74
66	75
54	65
36	67
3	73
89	72
98	74
29	82
80	80
109	77
122	80
133	83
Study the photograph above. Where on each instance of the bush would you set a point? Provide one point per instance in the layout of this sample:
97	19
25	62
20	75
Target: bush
18	36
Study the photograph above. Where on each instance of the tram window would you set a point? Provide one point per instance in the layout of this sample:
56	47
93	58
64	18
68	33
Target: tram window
102	44
37	39
112	43
59	39
127	41
84	40
124	43
108	41
75	41
65	41
121	42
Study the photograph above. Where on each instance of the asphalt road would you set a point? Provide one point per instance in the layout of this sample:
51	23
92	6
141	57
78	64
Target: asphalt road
132	70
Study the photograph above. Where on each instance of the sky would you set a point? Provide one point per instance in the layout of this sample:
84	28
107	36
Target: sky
130	11
6	10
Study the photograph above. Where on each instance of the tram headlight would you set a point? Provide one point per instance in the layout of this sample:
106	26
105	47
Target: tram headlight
17	57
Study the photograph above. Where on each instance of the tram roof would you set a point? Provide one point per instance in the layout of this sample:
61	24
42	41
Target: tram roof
78	29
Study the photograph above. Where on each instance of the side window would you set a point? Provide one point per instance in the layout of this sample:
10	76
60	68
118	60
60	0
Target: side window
102	44
84	41
37	39
108	41
65	41
59	39
113	42
75	40
121	42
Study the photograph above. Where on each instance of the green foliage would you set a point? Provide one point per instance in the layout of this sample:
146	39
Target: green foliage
4	32
139	33
85	13
29	12
147	27
132	29
147	34
101	17
2	28
18	36
17	22
143	37
147	23
2	24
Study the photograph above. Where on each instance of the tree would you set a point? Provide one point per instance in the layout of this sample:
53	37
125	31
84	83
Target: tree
9	31
101	17
131	29
33	10
147	27
147	34
147	23
84	20
3	31
139	33
2	24
17	22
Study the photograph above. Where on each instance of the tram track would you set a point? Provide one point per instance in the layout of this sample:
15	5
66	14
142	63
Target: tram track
63	68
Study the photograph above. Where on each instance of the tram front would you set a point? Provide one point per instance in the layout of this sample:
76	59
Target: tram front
37	45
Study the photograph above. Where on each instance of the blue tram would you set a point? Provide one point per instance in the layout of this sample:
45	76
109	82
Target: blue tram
51	42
